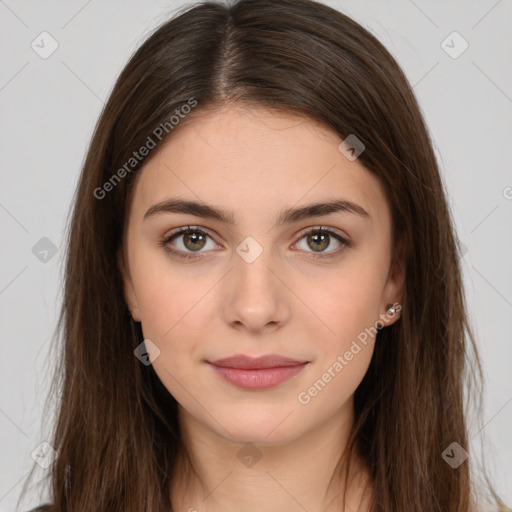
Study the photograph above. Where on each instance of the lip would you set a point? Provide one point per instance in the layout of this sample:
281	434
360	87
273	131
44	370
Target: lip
257	373
244	362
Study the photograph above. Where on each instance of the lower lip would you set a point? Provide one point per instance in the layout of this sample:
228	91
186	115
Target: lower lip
258	379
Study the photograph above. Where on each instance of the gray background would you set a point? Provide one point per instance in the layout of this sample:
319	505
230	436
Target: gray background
49	107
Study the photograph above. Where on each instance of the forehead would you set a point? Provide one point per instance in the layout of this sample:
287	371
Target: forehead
253	161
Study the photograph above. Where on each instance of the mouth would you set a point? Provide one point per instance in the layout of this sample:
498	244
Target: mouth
257	373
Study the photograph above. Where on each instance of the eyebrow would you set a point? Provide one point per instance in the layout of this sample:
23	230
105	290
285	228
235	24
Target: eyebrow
287	216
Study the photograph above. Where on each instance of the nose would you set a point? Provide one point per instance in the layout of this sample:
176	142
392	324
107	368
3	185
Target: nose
255	297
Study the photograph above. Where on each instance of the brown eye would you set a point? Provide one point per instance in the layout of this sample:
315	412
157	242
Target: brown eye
186	241
318	240
194	240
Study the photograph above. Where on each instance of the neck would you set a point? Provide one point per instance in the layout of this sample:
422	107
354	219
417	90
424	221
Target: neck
308	473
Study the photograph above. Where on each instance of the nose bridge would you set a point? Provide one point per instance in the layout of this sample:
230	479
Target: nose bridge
252	275
255	295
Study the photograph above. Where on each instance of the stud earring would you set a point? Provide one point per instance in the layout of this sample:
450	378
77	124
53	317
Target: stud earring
391	309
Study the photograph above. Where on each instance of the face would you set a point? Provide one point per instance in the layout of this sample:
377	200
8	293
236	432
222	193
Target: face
247	277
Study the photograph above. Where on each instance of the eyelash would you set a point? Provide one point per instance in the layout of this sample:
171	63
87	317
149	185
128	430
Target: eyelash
314	231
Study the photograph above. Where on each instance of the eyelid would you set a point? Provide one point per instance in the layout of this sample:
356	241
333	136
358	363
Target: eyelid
322	227
184	229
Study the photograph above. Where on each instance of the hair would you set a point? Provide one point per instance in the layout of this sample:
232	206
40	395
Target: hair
116	430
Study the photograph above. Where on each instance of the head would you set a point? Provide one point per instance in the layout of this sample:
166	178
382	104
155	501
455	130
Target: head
258	111
253	281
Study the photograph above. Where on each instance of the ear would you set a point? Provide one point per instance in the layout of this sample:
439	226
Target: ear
129	290
394	289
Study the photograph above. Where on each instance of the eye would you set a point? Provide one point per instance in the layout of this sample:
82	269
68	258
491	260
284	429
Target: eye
320	239
194	239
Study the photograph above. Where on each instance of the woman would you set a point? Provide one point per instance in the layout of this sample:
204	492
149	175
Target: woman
263	301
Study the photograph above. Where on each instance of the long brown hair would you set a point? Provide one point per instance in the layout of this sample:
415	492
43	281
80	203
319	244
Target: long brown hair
116	431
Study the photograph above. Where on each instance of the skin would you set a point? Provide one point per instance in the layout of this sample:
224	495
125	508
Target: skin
256	162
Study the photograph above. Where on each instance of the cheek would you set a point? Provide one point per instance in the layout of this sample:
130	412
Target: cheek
166	296
343	341
347	302
172	308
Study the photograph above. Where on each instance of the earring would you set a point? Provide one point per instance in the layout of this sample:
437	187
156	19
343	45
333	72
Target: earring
391	308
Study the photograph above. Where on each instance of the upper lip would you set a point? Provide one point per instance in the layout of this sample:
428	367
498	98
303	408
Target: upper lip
256	363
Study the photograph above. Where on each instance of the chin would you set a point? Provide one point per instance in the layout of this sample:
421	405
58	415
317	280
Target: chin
269	431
